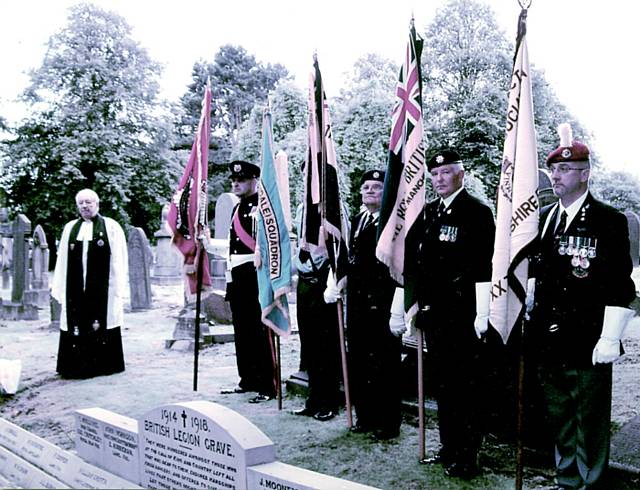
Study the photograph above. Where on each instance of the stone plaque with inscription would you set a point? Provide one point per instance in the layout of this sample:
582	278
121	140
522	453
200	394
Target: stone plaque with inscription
199	444
117	439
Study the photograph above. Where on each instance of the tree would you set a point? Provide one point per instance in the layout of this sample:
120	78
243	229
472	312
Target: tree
238	82
467	64
96	122
363	121
620	189
289	111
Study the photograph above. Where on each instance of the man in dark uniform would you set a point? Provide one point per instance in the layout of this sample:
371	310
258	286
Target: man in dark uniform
453	267
582	291
374	350
319	321
254	352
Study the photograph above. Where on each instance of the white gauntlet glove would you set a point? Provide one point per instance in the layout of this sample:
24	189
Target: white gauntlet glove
531	291
608	347
483	293
332	293
396	319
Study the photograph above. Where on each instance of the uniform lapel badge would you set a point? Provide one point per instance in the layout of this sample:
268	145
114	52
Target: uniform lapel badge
72	246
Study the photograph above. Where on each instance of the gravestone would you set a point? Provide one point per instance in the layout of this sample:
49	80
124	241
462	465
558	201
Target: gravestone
634	236
199	444
224	207
109	441
140	259
281	476
6	249
185	330
32	454
55	309
218	253
545	189
17	308
20	229
168	263
38	292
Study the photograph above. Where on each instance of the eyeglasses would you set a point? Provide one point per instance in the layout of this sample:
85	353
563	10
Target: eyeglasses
563	169
371	187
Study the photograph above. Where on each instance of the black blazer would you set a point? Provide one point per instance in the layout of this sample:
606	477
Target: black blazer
451	254
570	299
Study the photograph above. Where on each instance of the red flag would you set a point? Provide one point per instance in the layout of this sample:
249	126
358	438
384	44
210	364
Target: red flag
187	216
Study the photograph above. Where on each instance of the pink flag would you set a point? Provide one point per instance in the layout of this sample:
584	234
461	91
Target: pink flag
187	216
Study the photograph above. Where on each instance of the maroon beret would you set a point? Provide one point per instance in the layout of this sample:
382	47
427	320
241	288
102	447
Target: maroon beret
569	150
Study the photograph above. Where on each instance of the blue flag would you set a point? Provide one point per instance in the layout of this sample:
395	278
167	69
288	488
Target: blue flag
273	249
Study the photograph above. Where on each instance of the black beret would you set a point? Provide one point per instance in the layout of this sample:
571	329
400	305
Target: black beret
244	170
443	157
372	175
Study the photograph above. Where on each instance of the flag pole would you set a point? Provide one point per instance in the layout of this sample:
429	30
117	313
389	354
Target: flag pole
520	415
196	346
421	432
278	372
345	371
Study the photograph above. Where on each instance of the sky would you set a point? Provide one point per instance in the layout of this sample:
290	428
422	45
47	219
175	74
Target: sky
587	48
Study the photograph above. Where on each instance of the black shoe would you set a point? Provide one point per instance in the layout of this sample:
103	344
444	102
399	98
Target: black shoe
324	415
435	459
261	398
236	390
384	435
359	429
462	470
439	458
307	412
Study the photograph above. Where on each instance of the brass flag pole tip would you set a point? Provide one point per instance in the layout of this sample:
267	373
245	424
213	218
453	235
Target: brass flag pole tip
525	4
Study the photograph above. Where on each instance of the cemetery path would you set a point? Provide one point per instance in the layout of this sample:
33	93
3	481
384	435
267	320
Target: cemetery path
154	376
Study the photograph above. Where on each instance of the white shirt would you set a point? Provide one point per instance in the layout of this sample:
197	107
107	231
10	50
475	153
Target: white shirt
118	269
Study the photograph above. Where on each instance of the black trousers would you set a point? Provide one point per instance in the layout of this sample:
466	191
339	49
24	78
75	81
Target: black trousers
321	342
254	352
579	408
455	354
374	369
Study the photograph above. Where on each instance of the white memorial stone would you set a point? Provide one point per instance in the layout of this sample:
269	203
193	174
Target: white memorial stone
27	475
117	438
281	476
199	444
60	464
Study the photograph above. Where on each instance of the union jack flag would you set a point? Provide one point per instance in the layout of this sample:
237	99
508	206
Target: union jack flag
403	197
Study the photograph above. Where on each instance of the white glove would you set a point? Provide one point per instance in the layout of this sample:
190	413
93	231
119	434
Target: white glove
483	293
608	347
396	319
332	293
531	291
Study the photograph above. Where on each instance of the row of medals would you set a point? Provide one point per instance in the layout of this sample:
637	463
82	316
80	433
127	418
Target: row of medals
580	249
448	233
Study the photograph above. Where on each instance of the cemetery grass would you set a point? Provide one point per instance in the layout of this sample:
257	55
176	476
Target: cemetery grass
154	376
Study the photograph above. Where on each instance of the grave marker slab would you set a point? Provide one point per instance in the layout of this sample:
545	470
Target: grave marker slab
116	436
140	259
199	444
281	476
222	222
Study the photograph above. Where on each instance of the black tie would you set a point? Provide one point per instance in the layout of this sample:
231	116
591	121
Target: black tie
562	224
441	209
